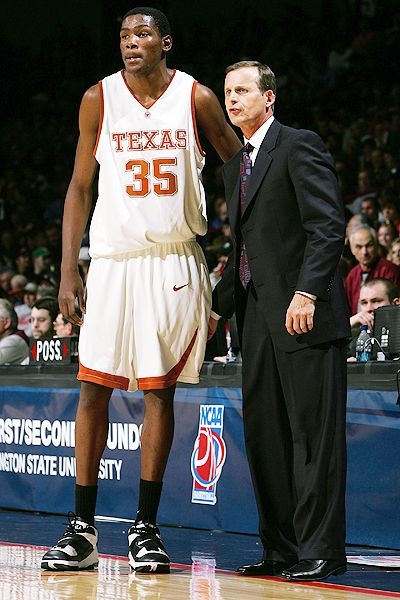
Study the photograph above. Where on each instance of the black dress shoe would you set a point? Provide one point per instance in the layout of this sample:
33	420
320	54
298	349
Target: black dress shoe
264	567
314	570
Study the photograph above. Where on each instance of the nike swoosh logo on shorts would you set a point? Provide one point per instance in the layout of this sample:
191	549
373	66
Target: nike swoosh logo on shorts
177	288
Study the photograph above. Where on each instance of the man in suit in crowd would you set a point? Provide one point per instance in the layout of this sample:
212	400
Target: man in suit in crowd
293	325
364	246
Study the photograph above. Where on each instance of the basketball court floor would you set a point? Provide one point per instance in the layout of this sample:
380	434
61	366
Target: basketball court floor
203	567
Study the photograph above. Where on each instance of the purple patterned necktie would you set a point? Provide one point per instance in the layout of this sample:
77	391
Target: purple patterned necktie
245	172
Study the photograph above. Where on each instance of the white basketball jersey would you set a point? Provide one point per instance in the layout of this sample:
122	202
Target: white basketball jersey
150	189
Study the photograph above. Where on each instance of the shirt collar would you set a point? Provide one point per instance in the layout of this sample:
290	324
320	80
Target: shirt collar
257	137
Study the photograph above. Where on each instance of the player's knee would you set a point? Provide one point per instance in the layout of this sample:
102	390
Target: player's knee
160	400
93	396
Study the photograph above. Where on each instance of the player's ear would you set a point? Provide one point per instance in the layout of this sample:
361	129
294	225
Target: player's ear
167	43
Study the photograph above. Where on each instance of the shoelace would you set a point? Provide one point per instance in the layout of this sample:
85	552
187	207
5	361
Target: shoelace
72	526
145	527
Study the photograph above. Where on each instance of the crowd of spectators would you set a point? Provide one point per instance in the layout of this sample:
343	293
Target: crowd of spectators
347	93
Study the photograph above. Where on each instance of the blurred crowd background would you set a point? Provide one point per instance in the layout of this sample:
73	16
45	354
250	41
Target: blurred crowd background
336	67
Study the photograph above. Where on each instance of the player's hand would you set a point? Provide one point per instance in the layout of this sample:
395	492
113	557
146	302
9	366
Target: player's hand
71	298
300	315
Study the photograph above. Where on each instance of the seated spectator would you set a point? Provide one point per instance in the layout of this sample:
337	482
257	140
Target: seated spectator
391	211
364	246
24	263
377	170
17	285
218	213
217	251
14	347
53	240
45	267
386	233
24	310
7	248
364	190
348	260
46	289
44	313
6	273
41	259
373	293
394	252
370	208
64	328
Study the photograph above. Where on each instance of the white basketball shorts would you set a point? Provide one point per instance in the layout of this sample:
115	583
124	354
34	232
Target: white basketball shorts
146	319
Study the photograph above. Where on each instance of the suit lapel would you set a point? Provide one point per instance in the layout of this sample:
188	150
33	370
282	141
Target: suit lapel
259	171
263	161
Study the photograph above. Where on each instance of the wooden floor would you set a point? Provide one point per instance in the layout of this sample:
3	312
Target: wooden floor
22	579
203	567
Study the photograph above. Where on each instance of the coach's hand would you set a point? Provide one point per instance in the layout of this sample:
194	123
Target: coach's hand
300	314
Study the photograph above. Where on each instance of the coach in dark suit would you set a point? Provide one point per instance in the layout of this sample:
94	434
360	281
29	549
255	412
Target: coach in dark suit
293	324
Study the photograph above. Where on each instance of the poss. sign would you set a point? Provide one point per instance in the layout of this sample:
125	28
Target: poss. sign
54	350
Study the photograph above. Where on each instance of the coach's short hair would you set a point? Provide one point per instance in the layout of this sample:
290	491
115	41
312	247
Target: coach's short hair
266	77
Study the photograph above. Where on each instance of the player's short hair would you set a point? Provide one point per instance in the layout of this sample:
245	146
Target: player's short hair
159	18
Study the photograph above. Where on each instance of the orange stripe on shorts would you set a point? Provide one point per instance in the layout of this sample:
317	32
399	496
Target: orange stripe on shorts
106	379
166	381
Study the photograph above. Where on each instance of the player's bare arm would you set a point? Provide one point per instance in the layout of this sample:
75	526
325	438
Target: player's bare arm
212	122
78	204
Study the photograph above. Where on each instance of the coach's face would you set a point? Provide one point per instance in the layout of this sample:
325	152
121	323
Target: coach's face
247	107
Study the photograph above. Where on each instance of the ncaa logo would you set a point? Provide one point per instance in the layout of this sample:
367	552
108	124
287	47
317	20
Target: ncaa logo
209	453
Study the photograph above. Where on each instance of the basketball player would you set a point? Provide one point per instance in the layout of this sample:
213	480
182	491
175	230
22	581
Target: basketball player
145	319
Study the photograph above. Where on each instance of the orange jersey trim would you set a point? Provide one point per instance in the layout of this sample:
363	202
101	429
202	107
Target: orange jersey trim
166	381
196	131
101	117
134	95
106	379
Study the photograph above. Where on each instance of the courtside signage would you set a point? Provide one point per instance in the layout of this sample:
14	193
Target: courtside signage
55	351
209	453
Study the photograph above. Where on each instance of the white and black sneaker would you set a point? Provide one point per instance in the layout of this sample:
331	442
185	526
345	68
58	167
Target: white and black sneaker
76	550
146	550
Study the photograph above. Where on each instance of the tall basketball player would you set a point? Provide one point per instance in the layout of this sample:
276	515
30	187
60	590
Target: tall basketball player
147	300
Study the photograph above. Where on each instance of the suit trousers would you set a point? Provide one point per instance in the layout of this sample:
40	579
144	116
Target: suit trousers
294	413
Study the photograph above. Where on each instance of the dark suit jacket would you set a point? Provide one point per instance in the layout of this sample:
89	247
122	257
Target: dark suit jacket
293	227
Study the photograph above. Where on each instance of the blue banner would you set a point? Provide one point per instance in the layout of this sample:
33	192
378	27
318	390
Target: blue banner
207	482
37	465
